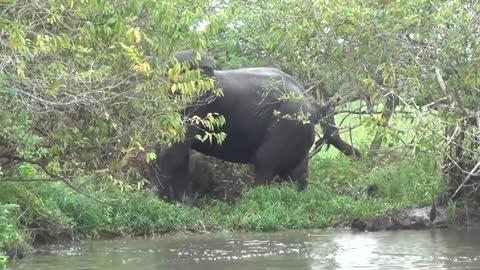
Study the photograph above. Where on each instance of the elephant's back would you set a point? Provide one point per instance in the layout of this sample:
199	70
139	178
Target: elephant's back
247	117
255	74
255	93
248	105
257	81
252	71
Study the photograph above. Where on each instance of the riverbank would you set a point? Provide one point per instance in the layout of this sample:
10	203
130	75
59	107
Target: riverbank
368	193
340	190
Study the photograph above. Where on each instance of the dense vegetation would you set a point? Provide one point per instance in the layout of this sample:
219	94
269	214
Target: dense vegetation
84	83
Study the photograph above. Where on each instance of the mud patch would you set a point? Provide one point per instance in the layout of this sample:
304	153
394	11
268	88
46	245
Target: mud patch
406	219
216	179
210	177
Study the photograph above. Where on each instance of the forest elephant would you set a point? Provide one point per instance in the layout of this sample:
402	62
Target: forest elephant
261	127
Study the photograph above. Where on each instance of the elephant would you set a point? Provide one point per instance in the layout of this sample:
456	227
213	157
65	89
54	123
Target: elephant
260	126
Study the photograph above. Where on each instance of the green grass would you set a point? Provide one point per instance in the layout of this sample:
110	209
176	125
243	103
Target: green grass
282	208
336	194
12	236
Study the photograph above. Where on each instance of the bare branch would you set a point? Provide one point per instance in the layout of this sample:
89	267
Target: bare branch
473	172
440	80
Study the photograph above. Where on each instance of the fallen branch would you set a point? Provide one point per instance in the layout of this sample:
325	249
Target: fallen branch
470	174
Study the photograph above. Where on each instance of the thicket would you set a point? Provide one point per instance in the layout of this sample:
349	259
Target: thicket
419	59
84	83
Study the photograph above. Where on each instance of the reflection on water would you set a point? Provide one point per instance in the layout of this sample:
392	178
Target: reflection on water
335	249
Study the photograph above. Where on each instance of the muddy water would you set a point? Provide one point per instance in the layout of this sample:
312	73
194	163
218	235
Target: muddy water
438	249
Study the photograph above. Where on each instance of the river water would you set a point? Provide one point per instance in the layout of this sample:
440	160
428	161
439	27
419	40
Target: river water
302	250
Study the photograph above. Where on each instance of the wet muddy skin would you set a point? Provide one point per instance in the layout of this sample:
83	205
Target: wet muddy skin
322	249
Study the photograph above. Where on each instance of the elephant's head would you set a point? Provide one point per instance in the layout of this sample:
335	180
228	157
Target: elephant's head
205	63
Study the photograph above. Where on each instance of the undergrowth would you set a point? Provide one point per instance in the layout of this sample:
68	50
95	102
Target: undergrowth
335	194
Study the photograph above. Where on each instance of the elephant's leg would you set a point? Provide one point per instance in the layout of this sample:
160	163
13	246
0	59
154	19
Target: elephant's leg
285	152
300	174
268	160
263	174
173	168
181	182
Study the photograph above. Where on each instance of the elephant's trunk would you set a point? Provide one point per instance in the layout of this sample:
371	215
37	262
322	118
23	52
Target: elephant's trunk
325	115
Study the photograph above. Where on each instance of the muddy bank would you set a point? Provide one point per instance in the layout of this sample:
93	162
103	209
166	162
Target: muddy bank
210	178
416	219
216	179
405	219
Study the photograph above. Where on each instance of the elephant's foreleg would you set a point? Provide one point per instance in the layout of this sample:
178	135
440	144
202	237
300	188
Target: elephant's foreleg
300	174
181	181
173	169
263	174
265	163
